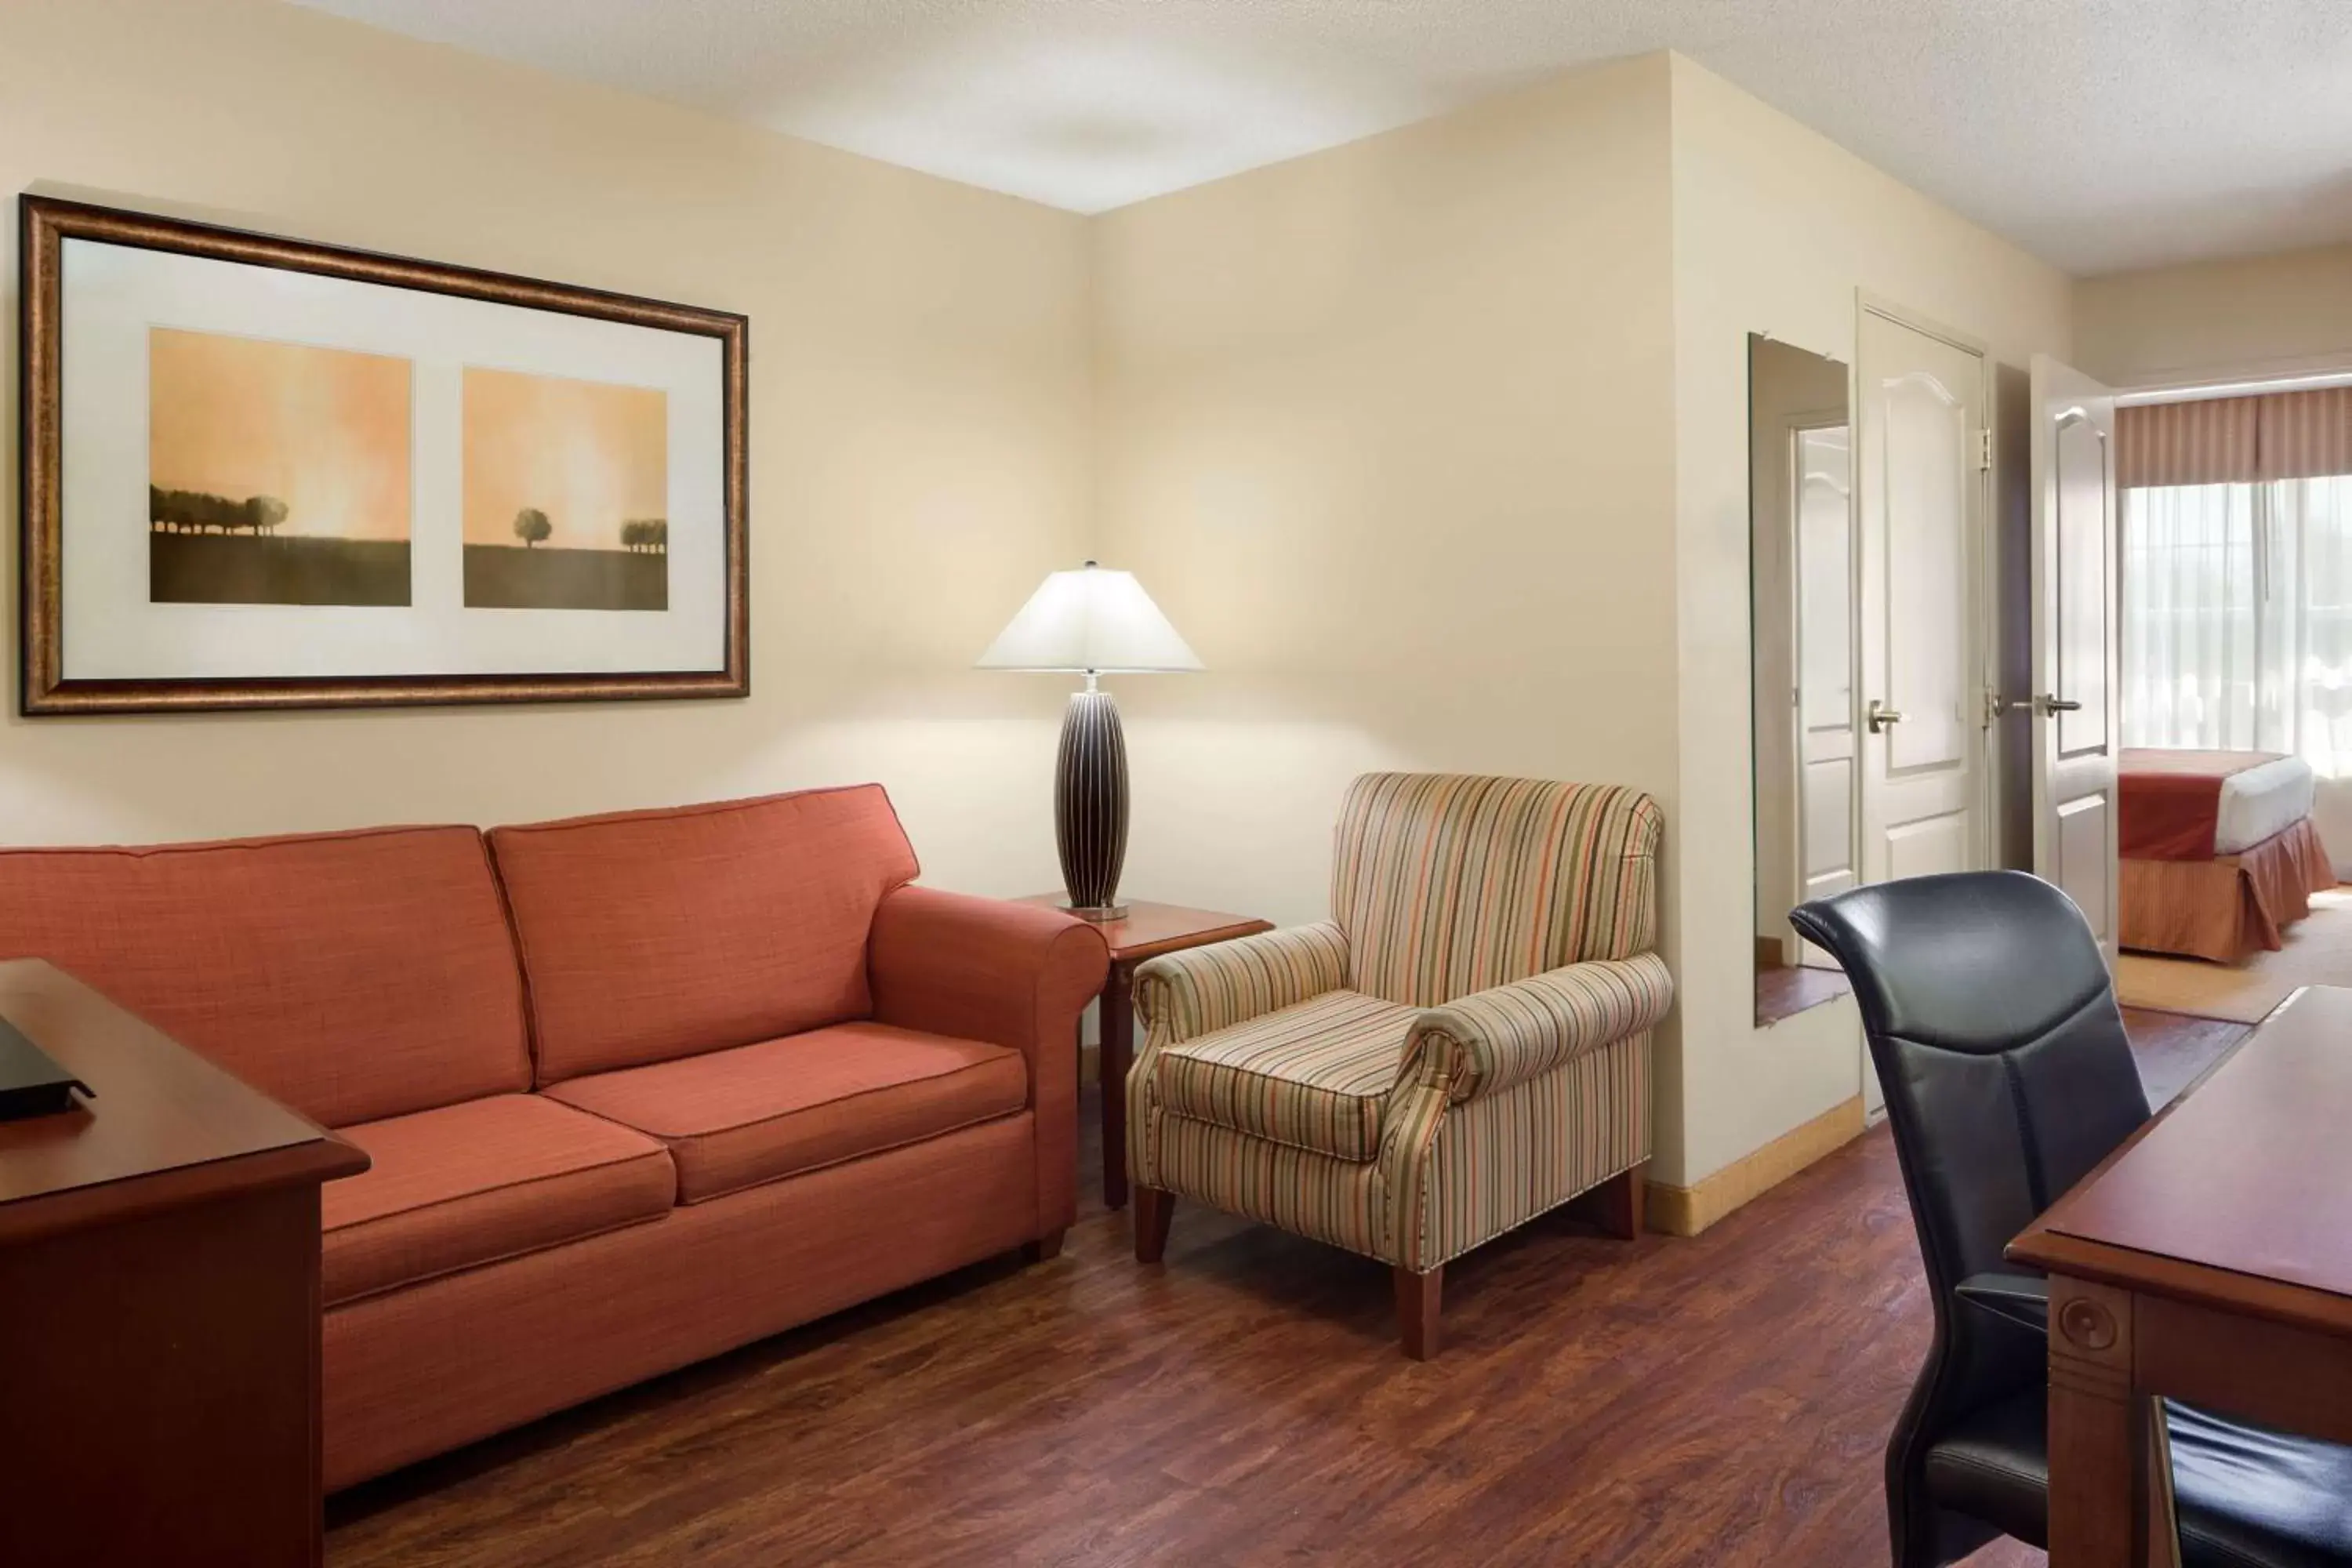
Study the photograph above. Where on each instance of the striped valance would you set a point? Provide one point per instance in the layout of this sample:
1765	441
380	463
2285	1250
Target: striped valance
2304	434
2207	442
2236	440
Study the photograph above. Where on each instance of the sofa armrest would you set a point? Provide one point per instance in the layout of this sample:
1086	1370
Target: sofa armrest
986	968
1183	995
1011	974
1510	1033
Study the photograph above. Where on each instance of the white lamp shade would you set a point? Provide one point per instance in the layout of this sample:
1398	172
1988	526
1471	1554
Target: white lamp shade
1090	619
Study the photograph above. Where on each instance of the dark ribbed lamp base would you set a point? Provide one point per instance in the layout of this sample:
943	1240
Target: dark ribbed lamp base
1090	806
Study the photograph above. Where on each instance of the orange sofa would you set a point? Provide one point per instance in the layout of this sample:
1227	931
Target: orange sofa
637	1089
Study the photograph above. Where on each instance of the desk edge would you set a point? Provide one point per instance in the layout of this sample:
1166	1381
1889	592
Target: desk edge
318	1159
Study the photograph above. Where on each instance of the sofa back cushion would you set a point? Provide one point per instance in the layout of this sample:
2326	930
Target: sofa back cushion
352	975
650	935
1448	884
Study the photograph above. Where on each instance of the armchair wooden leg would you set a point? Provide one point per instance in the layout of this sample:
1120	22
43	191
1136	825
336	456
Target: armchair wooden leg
1046	1246
1615	1206
1418	1299
1153	1210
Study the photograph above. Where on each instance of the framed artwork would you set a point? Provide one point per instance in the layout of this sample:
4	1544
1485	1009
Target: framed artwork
263	473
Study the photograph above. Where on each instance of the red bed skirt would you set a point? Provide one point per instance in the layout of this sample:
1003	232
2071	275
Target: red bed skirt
2226	908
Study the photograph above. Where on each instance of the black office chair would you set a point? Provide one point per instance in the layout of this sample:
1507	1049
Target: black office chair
1994	1030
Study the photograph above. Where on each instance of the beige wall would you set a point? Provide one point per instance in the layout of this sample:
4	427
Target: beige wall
1775	228
1386	431
920	422
2255	316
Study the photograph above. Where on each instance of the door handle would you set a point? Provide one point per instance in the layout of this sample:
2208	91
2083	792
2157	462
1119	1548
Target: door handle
2045	703
1878	716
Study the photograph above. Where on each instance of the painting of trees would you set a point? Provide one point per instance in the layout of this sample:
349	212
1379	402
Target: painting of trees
531	526
194	511
206	549
648	535
263	515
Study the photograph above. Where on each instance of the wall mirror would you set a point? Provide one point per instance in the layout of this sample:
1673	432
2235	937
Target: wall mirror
1802	578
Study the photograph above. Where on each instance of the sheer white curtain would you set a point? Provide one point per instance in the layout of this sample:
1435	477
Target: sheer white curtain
2237	617
2190	615
2315	545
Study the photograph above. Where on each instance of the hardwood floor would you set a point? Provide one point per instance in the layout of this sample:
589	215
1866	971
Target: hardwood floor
1720	1401
1784	992
2174	1048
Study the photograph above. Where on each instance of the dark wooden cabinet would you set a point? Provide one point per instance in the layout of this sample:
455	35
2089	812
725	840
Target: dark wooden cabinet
158	1303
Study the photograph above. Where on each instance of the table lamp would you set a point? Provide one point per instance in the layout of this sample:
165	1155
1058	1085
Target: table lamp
1091	622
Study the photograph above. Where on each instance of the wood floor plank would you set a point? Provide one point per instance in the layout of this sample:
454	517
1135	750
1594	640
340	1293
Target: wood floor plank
1721	1402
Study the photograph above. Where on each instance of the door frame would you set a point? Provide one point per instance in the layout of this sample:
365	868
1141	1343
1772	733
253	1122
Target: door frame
1984	564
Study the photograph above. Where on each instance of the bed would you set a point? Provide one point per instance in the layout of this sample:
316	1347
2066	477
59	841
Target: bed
2219	852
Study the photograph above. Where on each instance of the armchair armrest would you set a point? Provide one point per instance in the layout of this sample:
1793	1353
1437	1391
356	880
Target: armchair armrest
1510	1033
1183	995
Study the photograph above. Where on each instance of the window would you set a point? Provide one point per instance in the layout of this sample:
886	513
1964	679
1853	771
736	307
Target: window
2237	575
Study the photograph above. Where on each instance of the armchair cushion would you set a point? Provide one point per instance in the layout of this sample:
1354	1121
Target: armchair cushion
1513	1034
1313	1075
1184	996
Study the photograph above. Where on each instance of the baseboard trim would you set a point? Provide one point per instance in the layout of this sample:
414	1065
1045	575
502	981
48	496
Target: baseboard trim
1686	1211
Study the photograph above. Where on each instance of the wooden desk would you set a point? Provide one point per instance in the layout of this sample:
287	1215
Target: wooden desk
158	1303
2208	1260
1149	931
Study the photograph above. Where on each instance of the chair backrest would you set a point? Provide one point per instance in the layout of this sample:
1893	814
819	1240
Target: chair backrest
1447	884
1994	1030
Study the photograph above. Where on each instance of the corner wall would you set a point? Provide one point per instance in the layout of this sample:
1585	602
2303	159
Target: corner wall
920	423
1775	228
1436	445
1387	431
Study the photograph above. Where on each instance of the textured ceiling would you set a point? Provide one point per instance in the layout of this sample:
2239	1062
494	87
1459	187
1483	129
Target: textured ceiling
2101	134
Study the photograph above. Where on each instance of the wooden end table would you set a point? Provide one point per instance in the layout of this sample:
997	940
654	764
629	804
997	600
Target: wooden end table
1149	931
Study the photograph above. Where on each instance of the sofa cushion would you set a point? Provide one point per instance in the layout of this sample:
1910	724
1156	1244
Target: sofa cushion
489	1179
1314	1075
651	935
734	1119
352	975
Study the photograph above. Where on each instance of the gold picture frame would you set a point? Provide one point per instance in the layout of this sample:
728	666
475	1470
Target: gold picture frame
717	554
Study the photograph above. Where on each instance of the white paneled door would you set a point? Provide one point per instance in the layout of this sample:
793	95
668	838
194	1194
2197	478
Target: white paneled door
2074	719
1921	470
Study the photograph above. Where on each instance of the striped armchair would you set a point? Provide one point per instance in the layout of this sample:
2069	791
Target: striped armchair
1464	1045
